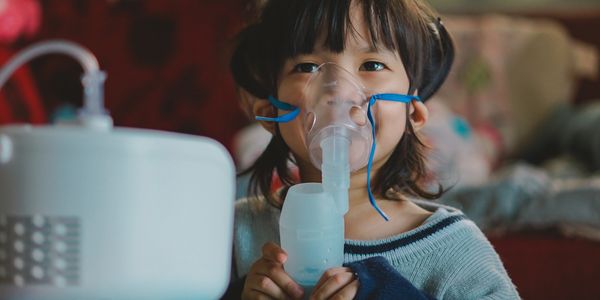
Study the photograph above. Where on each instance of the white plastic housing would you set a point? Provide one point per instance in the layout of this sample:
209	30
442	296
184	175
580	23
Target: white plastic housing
113	214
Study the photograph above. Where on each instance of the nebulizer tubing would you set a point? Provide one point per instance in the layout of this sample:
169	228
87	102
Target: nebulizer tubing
335	169
93	113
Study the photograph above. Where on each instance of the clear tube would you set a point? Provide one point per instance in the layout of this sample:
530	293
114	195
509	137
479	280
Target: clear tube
335	169
93	112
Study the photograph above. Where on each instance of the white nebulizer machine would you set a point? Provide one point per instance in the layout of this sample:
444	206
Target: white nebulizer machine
88	211
338	139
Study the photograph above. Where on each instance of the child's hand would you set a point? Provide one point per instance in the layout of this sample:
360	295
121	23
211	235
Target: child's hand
338	283
267	279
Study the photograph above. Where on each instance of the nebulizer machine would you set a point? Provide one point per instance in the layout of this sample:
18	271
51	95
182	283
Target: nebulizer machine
338	118
92	211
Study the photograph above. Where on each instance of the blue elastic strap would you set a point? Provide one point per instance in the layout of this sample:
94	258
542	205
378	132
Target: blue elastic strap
283	106
386	97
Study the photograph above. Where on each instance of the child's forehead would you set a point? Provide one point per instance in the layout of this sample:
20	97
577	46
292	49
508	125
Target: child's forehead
356	46
356	38
343	29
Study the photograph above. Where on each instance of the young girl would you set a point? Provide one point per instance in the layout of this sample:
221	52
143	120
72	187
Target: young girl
424	250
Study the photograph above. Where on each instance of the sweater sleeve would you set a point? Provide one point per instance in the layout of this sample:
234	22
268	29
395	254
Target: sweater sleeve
479	273
379	280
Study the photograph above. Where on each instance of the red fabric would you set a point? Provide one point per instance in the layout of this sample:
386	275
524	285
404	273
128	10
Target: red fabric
19	99
544	266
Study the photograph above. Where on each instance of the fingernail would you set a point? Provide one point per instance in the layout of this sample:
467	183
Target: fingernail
295	290
281	258
298	292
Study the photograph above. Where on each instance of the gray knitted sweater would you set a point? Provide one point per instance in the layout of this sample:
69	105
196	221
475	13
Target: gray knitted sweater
447	257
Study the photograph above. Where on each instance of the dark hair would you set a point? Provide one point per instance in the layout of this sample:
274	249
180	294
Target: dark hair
287	28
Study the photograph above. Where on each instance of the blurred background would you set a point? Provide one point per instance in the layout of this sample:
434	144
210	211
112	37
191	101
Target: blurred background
514	130
461	6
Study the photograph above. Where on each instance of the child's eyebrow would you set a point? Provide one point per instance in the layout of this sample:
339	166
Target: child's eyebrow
373	50
368	49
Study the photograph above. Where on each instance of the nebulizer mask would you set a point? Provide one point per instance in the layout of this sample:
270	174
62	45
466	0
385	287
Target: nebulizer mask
337	114
336	106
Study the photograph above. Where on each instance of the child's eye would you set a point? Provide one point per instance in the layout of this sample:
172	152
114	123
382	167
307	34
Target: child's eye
306	68
372	66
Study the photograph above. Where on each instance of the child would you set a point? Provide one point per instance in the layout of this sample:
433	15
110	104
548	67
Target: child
424	250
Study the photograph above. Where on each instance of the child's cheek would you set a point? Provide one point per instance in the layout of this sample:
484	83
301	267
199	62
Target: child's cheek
391	125
294	136
291	90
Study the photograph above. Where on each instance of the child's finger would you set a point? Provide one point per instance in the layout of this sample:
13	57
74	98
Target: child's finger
327	274
263	285
259	296
348	292
256	295
273	252
333	285
276	273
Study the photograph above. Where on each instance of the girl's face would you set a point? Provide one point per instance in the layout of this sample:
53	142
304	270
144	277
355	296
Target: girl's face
380	71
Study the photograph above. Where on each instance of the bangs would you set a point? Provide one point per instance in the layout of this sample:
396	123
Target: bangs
288	28
328	22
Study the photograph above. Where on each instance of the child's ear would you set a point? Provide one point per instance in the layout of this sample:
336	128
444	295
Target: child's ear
418	114
254	106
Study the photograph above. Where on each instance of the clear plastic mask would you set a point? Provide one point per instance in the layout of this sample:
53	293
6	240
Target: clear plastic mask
336	104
